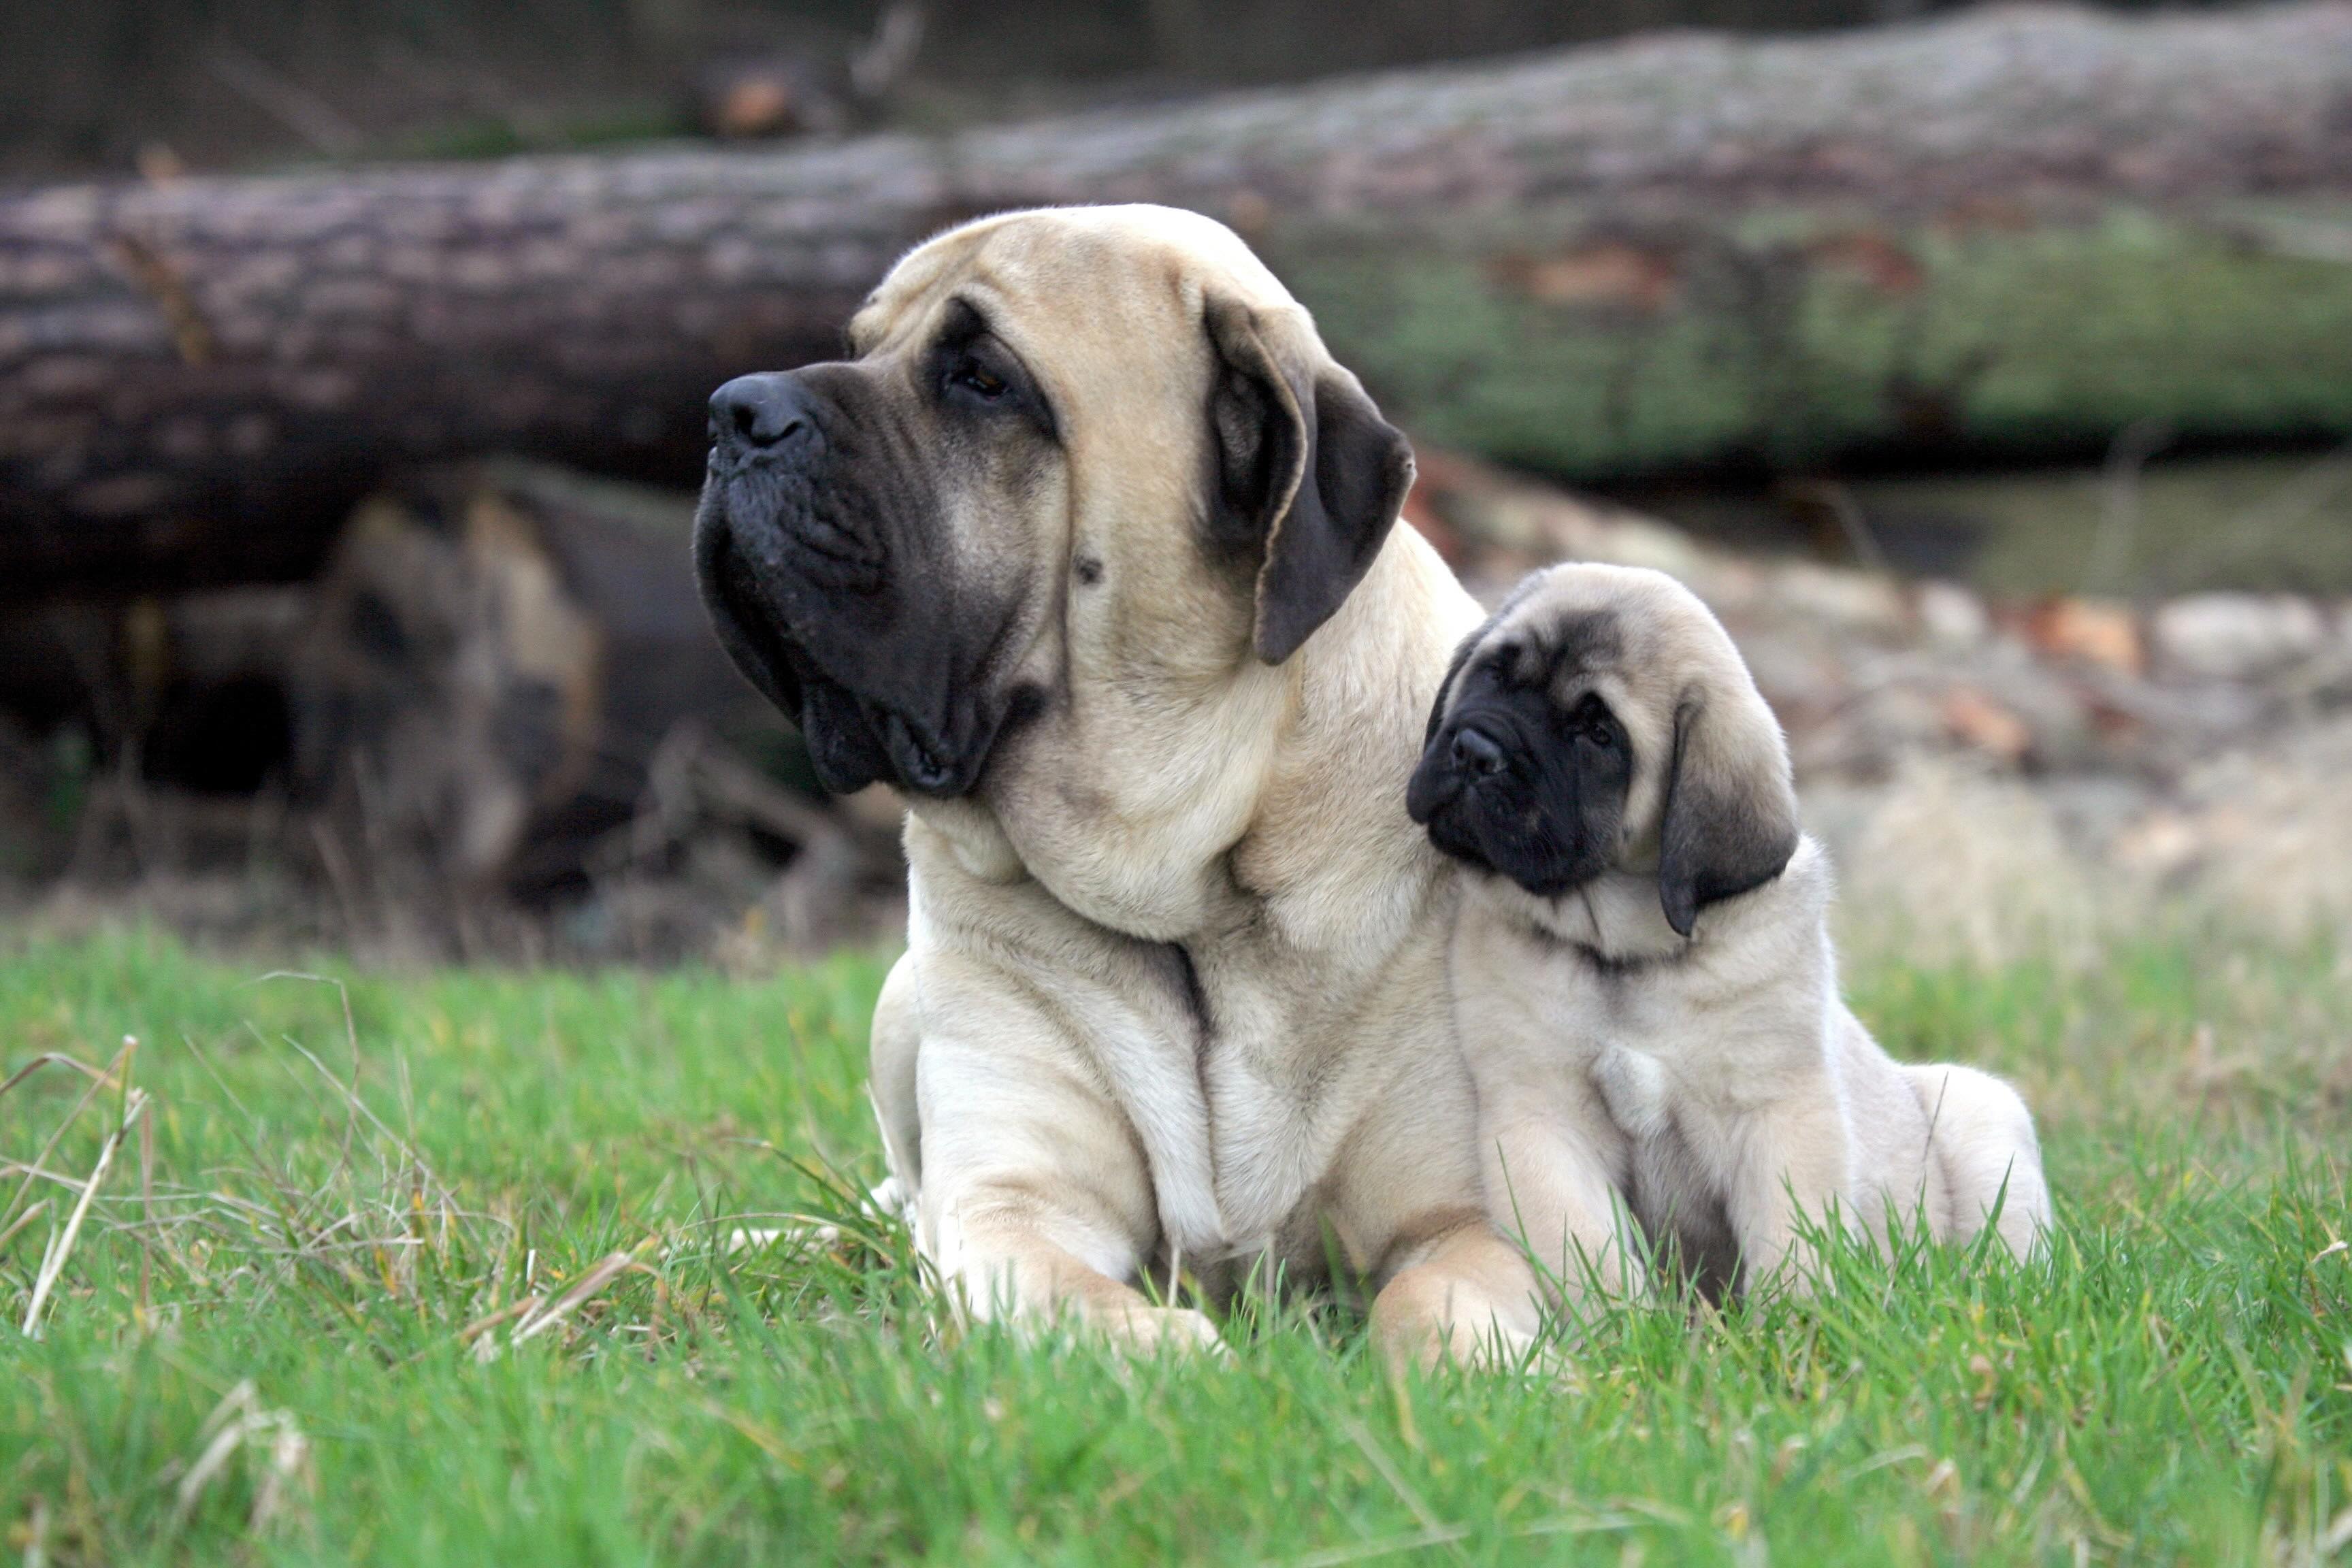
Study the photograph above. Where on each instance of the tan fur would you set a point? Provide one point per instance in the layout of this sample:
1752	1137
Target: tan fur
1716	1085
1060	1120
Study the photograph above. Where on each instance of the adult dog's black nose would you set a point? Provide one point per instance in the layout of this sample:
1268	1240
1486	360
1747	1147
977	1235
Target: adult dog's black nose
1477	751
759	411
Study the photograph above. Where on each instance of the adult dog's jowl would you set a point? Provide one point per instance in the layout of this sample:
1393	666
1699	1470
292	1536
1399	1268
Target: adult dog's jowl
1090	552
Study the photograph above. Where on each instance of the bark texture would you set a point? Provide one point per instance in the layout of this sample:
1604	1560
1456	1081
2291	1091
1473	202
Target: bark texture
2021	228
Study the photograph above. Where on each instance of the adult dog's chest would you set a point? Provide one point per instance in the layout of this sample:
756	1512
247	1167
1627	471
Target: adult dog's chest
1275	1090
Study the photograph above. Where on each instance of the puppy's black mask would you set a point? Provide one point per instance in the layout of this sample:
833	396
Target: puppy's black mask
1512	782
1535	789
824	558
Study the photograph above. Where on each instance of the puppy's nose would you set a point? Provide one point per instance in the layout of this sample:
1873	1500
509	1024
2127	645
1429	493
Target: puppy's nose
1477	751
761	412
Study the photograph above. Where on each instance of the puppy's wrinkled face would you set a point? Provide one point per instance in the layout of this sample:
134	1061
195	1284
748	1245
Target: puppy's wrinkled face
1604	721
1527	768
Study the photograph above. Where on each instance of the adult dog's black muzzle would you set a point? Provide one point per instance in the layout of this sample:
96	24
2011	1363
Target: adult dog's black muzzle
823	562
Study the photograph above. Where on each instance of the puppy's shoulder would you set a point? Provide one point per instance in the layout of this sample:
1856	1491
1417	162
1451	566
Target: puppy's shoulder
1794	903
1514	984
1496	933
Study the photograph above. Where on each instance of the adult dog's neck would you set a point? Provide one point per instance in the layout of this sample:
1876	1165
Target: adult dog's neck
1330	849
1275	795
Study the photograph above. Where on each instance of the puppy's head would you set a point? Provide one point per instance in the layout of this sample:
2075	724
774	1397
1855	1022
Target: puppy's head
1602	720
1077	445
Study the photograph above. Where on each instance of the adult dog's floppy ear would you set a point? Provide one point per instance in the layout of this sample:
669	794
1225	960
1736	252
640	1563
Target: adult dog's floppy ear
1307	470
1730	819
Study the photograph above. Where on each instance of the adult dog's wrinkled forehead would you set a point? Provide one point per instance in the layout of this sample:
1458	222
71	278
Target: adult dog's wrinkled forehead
1160	344
1070	288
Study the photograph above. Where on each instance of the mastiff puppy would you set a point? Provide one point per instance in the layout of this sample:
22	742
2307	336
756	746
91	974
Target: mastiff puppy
1643	971
1090	550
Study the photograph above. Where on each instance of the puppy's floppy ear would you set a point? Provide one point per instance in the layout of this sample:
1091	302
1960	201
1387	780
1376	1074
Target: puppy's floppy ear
1730	820
1307	470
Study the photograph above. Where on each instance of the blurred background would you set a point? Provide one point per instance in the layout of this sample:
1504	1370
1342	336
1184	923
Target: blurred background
271	81
1988	369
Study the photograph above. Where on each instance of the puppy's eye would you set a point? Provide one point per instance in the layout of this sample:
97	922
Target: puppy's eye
977	379
1591	720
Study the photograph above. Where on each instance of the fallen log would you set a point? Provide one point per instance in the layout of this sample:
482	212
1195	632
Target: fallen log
2015	231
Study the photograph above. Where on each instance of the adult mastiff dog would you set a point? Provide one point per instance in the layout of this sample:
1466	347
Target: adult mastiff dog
1089	550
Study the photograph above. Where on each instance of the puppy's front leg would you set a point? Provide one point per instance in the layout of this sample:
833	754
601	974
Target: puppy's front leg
1549	1183
1036	1203
1794	1165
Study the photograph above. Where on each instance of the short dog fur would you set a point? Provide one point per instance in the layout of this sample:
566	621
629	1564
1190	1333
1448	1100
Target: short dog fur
1642	973
1089	552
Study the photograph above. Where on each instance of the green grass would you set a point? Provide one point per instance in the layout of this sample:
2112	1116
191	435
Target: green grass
256	1350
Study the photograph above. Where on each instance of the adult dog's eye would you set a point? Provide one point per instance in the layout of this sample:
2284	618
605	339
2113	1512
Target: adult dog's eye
978	379
1591	720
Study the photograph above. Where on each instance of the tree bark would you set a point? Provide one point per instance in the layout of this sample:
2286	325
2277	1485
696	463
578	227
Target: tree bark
2017	230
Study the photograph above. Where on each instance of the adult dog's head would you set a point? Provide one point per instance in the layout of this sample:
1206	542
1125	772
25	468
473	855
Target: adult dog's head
1101	441
1604	721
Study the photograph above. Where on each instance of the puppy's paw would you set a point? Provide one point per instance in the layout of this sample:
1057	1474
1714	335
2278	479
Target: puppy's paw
1174	1330
1493	1346
892	1199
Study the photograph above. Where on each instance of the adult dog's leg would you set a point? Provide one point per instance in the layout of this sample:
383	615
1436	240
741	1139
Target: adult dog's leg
1983	1135
896	1040
1467	1295
1036	1203
1408	1208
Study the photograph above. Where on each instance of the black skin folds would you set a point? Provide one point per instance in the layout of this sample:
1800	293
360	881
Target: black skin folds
1517	784
821	549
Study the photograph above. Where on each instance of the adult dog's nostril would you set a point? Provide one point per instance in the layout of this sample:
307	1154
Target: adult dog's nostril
759	410
1475	750
752	427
